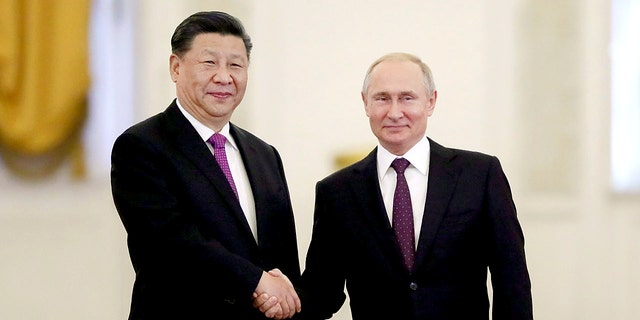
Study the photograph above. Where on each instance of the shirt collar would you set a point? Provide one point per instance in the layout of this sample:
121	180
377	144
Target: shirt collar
418	155
205	132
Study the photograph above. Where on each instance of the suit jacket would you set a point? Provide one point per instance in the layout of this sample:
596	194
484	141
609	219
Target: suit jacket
469	226
190	244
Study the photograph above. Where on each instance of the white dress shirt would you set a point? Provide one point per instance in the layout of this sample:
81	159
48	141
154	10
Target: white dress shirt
417	177
240	177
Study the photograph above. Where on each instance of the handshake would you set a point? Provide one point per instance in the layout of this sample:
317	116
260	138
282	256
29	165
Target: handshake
275	296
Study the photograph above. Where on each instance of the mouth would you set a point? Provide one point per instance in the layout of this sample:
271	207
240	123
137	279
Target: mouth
394	127
221	95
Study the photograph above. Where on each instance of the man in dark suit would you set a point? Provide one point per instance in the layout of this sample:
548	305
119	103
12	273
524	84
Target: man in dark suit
205	203
431	264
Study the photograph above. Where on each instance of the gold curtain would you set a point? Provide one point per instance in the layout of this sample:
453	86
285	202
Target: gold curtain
44	77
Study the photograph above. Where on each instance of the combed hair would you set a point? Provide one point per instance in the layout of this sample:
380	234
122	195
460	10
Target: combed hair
207	22
402	56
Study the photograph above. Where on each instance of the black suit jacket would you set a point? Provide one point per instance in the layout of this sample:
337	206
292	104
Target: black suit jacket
469	226
190	244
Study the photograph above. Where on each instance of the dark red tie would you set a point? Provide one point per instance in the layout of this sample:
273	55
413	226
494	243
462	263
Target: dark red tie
403	214
218	141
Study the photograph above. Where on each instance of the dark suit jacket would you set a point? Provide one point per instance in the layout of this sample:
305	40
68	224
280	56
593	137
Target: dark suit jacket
469	225
190	245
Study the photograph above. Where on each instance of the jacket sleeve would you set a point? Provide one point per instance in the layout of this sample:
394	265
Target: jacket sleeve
164	239
323	278
509	275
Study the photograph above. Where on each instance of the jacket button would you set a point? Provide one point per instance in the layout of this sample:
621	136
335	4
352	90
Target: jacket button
413	286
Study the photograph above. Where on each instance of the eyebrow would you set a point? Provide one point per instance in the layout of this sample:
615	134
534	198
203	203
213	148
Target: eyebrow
387	93
217	53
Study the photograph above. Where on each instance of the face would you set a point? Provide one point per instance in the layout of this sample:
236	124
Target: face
211	78
397	104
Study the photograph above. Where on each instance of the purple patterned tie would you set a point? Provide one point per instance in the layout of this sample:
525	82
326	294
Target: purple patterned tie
218	141
403	214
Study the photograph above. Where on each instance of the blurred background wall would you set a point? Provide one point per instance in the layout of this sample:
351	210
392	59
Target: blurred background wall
526	80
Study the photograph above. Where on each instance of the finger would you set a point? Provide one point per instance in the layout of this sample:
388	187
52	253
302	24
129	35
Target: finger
269	304
274	312
288	307
285	305
276	272
259	300
297	302
291	305
280	314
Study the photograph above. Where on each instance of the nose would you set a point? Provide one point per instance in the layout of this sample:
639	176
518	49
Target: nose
394	112
222	76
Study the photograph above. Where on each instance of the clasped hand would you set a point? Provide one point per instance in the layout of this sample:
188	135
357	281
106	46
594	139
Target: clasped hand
275	296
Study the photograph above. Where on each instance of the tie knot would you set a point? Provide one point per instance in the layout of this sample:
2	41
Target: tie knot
217	140
400	164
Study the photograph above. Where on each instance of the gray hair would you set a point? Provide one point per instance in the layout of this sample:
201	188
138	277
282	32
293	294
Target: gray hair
401	56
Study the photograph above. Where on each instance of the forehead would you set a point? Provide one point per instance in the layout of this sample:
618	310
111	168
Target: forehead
396	75
216	43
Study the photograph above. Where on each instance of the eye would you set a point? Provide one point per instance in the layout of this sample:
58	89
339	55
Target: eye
380	98
236	64
407	98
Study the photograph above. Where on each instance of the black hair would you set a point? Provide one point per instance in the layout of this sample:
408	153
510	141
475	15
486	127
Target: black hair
207	22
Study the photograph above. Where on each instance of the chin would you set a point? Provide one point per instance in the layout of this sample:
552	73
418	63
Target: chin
395	139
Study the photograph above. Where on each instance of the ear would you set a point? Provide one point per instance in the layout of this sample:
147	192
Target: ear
174	67
364	101
432	102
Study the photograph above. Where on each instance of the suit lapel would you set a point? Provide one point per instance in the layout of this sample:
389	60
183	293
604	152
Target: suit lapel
365	185
442	180
189	143
249	156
